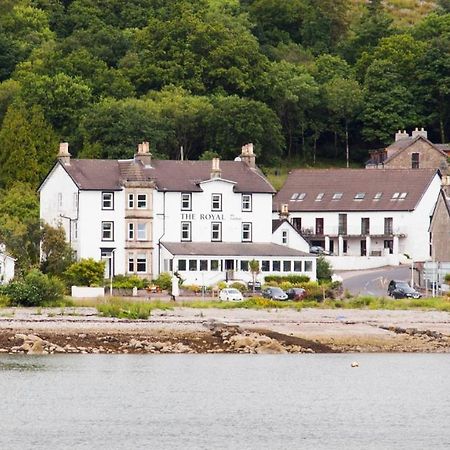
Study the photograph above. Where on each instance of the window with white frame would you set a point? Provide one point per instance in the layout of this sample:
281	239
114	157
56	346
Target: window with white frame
141	263
186	201
107	231
107	200
131	231
186	231
216	231
246	232
141	231
141	201
246	202
284	237
216	202
130	201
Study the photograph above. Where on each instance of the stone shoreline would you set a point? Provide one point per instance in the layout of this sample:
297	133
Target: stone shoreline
188	330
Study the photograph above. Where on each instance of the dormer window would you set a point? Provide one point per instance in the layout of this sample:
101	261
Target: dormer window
395	196
298	197
403	195
337	195
378	196
360	196
415	160
319	196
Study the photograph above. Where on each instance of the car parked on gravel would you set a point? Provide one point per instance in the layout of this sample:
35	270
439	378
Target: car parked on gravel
296	294
274	293
230	294
401	289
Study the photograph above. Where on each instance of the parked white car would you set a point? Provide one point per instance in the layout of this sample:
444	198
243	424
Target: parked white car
230	294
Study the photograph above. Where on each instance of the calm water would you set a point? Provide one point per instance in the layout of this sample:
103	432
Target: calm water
394	401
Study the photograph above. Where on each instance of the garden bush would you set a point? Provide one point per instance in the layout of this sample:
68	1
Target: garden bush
239	286
164	281
86	272
35	289
129	282
294	279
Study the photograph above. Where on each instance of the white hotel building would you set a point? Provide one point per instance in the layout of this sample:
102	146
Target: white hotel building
204	220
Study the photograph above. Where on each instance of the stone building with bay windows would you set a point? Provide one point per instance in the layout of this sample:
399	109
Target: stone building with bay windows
203	219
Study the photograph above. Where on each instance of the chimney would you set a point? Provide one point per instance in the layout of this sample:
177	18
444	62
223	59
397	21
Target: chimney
284	213
248	156
420	132
143	154
215	170
64	155
401	135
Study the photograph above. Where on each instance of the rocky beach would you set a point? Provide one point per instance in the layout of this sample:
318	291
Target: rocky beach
189	330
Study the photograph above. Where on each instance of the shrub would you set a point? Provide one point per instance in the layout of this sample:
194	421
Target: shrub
129	282
35	289
294	279
447	278
86	272
164	281
195	288
323	269
239	286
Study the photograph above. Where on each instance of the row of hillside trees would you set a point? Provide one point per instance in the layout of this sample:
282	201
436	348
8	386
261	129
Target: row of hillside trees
304	80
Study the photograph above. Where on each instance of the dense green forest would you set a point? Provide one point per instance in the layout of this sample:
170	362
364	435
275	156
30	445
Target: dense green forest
298	78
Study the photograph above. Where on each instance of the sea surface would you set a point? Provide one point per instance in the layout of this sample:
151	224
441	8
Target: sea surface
391	401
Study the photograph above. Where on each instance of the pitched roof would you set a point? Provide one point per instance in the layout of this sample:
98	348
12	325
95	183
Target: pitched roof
336	189
184	176
404	143
94	174
250	249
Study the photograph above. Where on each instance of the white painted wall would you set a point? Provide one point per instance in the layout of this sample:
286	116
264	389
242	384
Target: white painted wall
168	216
58	198
90	221
7	264
294	239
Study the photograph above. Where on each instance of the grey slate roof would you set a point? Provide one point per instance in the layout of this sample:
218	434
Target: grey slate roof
184	176
350	182
250	249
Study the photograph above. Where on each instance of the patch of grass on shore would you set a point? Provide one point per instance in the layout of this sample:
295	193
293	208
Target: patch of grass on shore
373	303
130	309
249	303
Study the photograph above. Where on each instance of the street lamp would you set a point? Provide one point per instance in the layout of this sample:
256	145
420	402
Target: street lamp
111	256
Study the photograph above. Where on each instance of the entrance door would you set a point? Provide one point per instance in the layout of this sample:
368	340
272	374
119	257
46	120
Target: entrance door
229	268
363	248
107	255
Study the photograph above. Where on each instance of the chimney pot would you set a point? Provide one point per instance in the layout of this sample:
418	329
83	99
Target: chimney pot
64	155
215	168
143	154
247	155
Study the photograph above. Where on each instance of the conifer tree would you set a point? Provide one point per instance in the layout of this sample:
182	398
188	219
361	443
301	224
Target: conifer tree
18	161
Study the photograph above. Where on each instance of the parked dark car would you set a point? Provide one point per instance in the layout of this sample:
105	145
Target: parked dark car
274	293
296	294
401	289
